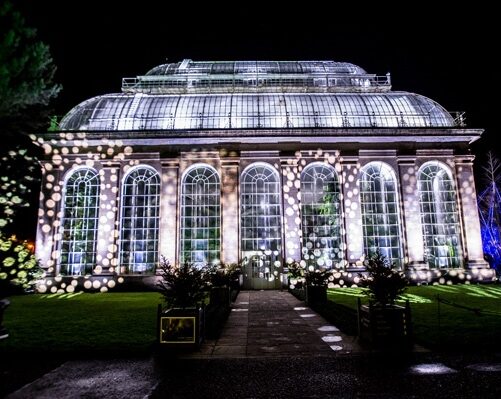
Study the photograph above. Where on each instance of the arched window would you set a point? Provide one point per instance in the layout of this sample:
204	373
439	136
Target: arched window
380	215
139	221
200	216
439	216
79	223
261	217
320	216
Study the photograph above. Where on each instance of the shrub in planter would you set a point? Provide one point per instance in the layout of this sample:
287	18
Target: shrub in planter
219	280
316	286
296	275
184	288
382	323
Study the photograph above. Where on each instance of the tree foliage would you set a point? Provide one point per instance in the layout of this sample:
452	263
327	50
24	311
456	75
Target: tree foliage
26	67
26	87
18	265
384	283
183	286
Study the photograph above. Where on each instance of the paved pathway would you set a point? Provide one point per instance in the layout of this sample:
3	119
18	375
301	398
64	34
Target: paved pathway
275	324
262	324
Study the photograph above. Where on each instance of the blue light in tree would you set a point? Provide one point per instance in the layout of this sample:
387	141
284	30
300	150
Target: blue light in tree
489	205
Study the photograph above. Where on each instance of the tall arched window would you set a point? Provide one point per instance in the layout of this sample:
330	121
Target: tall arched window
439	216
139	221
380	215
200	216
79	223
321	216
261	217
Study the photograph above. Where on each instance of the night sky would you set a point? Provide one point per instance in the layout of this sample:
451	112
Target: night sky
443	55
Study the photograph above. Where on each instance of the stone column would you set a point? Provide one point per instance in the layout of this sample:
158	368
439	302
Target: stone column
351	208
49	217
411	213
291	182
168	237
472	245
230	201
108	234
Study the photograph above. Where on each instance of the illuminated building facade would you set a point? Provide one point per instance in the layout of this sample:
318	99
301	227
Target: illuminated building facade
263	163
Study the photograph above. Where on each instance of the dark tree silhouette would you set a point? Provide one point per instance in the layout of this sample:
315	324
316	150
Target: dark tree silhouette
26	87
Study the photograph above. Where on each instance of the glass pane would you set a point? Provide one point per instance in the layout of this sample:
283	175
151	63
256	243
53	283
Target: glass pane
200	216
139	221
320	211
79	224
439	217
380	218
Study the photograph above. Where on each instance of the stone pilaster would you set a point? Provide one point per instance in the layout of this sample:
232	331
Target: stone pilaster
168	237
411	213
230	210
49	217
291	182
472	247
352	213
108	234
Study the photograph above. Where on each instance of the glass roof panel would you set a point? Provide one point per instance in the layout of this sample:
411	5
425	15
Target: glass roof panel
254	111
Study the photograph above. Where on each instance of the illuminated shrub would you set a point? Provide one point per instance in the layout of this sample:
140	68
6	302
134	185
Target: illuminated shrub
384	284
18	265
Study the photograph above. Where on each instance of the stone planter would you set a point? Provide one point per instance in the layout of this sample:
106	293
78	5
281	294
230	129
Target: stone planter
316	294
180	328
385	327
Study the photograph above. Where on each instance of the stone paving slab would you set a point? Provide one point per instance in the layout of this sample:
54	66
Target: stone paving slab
275	324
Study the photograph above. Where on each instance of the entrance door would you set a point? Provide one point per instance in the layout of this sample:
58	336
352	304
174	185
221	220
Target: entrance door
262	272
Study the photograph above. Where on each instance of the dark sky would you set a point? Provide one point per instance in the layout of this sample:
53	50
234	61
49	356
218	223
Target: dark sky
447	56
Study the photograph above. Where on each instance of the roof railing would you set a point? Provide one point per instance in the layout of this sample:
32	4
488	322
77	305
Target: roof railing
251	82
459	118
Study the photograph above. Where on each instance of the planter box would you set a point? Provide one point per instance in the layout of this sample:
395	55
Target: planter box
180	328
220	296
316	294
385	326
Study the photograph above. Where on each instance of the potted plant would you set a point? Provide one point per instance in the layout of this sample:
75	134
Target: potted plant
219	279
296	275
181	321
383	323
19	271
316	286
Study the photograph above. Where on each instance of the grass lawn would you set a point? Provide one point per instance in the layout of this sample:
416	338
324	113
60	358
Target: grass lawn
456	329
81	323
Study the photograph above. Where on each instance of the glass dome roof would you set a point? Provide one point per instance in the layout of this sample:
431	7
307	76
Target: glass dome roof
262	67
254	95
253	111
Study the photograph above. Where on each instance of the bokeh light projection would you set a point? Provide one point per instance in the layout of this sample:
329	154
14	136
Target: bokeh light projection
261	220
73	155
195	188
321	217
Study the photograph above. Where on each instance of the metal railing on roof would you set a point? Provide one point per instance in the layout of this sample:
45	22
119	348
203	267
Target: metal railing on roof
234	83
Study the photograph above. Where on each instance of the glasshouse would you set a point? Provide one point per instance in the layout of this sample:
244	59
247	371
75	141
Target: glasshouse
261	163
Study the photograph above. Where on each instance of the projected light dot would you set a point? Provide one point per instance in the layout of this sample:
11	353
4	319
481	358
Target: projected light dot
332	338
